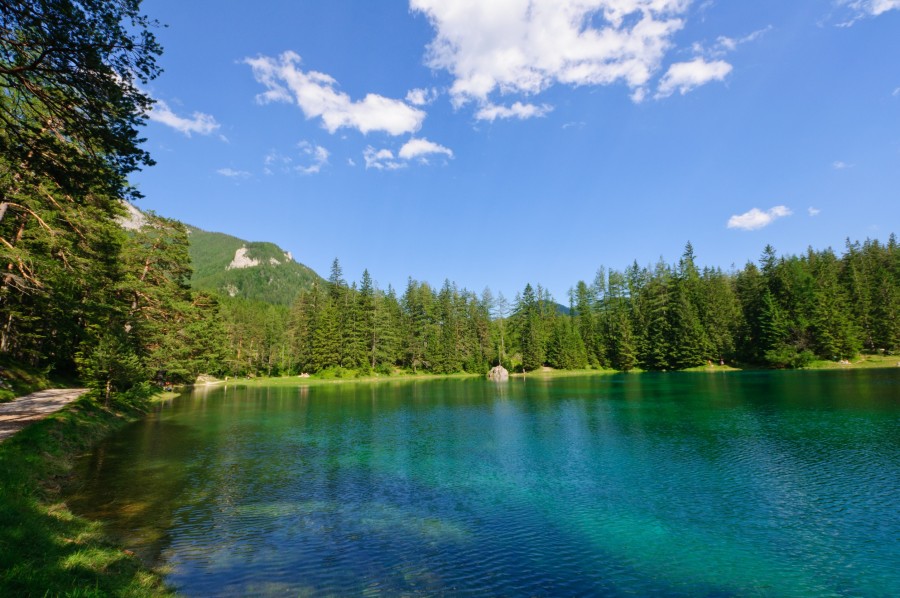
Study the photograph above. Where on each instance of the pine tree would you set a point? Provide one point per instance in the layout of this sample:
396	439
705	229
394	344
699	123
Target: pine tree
586	322
655	351
366	308
834	332
530	333
388	323
326	339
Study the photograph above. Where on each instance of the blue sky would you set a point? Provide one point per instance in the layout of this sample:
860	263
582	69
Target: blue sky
512	141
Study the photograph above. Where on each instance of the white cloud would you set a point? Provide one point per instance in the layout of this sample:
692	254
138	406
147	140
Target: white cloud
896	92
276	161
350	162
419	148
813	211
525	46
382	159
233	174
872	7
313	158
414	149
725	44
318	155
685	76
421	97
860	9
839	165
200	123
317	97
756	218
491	112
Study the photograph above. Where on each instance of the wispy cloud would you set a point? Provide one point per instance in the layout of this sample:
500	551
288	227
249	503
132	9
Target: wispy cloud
275	161
233	174
199	122
839	165
317	97
491	112
316	153
756	218
813	211
310	160
725	44
860	9
382	159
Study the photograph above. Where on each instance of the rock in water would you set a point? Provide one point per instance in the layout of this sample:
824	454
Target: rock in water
498	374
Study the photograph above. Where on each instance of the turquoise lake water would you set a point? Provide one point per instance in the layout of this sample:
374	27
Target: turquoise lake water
726	484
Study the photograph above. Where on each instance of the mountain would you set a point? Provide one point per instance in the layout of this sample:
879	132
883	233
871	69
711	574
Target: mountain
236	268
249	270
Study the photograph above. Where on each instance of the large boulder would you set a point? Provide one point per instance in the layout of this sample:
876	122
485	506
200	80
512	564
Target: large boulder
498	374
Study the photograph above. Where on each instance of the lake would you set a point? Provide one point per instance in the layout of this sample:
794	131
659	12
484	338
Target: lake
747	483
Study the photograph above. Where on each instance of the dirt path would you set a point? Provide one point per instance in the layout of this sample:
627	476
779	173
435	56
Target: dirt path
19	413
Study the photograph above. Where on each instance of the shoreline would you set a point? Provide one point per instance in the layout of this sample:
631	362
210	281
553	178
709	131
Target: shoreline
46	549
864	362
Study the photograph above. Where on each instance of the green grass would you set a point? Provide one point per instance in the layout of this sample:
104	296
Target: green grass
712	368
45	549
860	362
546	372
351	376
347	376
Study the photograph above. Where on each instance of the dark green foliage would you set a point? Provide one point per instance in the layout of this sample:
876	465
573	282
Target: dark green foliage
110	364
258	339
365	329
528	324
69	100
566	348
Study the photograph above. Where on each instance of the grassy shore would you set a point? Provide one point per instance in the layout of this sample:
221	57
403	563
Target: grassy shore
45	549
860	362
352	377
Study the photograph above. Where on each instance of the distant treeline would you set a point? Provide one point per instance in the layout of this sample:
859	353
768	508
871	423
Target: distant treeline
784	312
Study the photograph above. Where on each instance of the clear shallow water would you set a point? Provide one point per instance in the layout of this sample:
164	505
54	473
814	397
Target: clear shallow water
756	483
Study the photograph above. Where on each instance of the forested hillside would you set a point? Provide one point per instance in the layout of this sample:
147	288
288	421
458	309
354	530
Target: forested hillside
780	312
236	268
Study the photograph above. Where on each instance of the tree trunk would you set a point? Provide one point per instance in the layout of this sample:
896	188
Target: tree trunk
4	335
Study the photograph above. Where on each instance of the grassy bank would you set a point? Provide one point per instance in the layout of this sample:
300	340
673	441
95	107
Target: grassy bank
351	376
860	362
45	549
